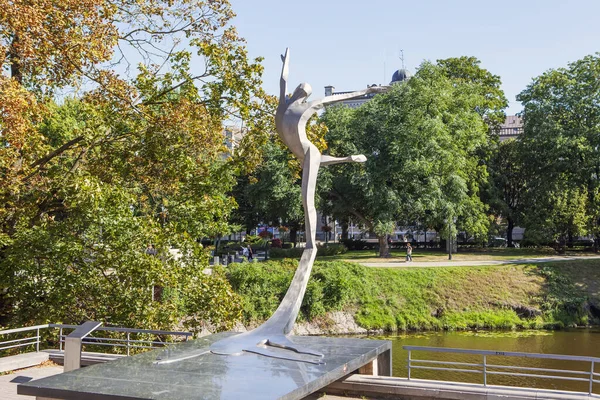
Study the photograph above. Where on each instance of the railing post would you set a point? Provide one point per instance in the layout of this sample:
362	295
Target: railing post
60	338
128	337
409	365
592	379
484	371
37	342
73	344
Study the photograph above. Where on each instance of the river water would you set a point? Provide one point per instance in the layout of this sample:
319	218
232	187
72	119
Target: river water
581	342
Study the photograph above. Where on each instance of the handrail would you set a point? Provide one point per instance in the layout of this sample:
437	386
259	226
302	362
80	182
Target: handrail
130	330
502	353
24	329
484	367
128	342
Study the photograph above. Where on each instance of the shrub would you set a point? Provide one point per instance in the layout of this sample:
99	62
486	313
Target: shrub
331	249
276	244
263	286
357	244
252	239
265	234
295	252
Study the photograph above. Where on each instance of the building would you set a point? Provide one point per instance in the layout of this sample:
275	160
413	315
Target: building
511	128
233	136
399	76
352	103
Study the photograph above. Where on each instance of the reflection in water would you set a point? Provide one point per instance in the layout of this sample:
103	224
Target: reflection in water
580	342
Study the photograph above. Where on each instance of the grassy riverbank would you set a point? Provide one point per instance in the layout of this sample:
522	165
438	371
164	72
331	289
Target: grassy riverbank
550	295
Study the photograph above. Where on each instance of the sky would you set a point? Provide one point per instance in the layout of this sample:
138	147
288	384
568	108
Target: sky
350	44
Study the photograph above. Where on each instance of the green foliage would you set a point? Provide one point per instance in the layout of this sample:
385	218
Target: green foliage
487	86
263	285
357	244
423	140
294	252
562	148
331	249
271	193
253	239
564	301
507	183
136	160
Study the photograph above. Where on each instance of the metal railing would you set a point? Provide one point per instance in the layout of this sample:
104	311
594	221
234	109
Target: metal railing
127	342
33	337
22	342
485	369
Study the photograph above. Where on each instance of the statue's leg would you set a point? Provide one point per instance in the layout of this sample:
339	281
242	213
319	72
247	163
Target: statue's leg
290	306
310	171
329	160
270	339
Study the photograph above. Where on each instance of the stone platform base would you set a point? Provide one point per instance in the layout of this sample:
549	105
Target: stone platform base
210	376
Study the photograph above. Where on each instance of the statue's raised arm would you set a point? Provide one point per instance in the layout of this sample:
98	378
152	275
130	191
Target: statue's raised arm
285	71
335	98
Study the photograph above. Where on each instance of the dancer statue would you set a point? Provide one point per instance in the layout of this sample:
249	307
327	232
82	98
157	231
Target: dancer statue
292	115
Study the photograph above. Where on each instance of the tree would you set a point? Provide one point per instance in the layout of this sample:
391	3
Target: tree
136	159
419	139
562	148
492	101
507	184
272	192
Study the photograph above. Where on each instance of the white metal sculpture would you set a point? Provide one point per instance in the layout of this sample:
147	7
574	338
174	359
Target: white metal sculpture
292	115
271	338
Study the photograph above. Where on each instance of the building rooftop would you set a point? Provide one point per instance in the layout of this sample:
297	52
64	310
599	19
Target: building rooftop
511	128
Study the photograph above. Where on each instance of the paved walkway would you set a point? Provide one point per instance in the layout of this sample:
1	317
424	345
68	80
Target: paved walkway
463	263
8	383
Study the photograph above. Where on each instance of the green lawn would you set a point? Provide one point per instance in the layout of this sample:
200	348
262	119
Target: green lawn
439	255
549	295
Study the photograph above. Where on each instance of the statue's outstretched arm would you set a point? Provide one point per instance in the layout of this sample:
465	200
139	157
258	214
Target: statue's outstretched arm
334	98
285	70
329	160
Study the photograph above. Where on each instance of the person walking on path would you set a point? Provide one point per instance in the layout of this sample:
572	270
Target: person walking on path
250	253
408	252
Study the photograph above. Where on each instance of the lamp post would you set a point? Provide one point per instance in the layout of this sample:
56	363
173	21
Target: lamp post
449	223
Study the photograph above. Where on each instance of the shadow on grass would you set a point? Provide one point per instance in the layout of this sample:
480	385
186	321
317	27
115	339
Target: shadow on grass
570	293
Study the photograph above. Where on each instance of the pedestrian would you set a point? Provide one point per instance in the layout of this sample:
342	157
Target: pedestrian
250	253
408	252
150	250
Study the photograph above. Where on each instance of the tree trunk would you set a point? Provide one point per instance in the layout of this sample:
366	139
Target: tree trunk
562	244
570	240
384	250
509	232
344	230
293	236
597	243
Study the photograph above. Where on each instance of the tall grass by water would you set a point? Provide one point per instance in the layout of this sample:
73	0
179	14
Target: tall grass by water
551	295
